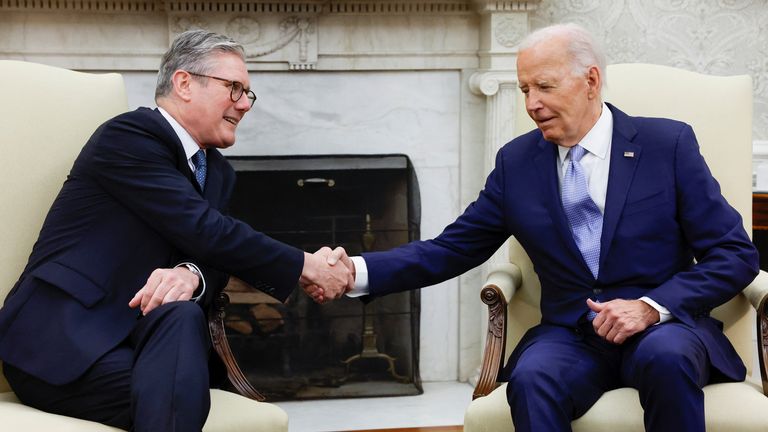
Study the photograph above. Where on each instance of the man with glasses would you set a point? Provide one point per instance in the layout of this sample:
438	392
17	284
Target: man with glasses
99	325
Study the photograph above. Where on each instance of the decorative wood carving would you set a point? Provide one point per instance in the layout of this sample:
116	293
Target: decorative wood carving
221	345
762	342
495	340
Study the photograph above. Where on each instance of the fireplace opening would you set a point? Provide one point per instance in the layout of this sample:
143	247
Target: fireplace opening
346	348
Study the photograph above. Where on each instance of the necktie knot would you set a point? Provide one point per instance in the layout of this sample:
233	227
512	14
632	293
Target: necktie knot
198	159
577	152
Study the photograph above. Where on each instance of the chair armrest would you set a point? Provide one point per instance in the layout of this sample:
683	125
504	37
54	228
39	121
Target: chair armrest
499	287
757	293
221	345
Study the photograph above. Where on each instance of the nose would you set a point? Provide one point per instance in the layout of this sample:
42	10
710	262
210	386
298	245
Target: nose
243	104
532	100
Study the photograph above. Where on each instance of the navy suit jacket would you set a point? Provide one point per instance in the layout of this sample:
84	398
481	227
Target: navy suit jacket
129	205
663	211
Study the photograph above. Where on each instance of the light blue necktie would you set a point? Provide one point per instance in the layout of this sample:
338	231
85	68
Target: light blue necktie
583	215
200	167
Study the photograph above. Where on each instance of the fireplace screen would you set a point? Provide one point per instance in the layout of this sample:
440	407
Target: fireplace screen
346	348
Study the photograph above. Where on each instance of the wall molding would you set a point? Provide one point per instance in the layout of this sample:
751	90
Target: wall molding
266	7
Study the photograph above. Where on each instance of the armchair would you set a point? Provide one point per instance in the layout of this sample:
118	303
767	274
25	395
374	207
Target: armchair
46	115
720	111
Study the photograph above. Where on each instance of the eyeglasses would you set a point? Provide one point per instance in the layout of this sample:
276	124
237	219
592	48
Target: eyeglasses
237	89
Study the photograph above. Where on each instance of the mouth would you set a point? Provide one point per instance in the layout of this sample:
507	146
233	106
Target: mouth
543	121
232	120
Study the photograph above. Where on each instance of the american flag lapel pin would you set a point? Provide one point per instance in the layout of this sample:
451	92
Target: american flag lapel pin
629	154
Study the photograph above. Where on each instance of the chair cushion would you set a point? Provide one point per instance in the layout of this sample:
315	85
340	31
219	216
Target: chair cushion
729	407
18	417
232	412
229	413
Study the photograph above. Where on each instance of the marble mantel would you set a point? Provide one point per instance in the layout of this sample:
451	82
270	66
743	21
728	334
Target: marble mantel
278	34
433	79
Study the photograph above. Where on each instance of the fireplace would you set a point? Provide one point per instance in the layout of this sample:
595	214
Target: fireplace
347	348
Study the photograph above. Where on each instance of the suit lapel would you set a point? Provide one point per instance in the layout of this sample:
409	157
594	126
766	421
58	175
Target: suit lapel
214	179
625	155
182	163
546	165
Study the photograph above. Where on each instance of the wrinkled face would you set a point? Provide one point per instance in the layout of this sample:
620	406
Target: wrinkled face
211	117
563	104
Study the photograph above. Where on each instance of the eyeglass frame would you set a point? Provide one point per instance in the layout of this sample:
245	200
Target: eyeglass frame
231	84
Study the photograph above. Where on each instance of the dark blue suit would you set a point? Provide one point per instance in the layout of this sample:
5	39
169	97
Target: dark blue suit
129	205
663	210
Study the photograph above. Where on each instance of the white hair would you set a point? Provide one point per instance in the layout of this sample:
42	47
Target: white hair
583	50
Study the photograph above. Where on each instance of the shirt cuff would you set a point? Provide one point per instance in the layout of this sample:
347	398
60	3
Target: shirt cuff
361	278
664	314
196	270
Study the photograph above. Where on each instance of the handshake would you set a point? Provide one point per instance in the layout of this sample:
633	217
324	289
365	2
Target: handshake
323	278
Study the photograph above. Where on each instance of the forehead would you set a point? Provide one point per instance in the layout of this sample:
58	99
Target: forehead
229	66
546	61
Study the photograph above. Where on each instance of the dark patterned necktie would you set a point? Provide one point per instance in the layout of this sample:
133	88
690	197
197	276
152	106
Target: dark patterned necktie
198	159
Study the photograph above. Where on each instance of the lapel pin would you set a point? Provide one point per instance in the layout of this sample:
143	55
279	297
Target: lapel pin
629	154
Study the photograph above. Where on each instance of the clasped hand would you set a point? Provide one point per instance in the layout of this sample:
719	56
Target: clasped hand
163	286
618	320
322	279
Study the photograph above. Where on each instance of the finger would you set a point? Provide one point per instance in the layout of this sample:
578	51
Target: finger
150	287
323	251
336	255
157	298
136	300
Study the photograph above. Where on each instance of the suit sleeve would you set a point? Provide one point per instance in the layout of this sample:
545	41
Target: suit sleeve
138	169
464	244
726	259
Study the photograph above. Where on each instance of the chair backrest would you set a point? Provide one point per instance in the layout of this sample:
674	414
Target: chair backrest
46	116
720	111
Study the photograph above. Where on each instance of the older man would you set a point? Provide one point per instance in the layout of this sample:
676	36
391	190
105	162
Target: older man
99	325
631	239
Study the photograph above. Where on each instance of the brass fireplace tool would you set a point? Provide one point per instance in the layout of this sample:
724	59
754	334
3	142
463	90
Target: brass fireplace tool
370	350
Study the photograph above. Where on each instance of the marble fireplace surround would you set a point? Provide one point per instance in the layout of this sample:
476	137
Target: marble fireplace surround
433	79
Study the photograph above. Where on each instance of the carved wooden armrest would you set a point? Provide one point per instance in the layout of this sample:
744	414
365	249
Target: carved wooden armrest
499	287
757	293
221	345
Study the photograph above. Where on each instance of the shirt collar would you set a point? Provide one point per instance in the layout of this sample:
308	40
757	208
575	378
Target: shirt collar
187	142
598	140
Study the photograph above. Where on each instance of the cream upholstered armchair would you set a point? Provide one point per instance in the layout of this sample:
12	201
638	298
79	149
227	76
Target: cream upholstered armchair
46	116
720	111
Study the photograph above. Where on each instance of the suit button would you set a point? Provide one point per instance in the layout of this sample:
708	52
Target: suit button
597	290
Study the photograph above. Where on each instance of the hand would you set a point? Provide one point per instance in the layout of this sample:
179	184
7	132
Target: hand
322	281
339	254
165	286
617	320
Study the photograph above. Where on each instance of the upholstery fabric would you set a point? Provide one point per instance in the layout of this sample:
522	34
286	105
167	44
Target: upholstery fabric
729	407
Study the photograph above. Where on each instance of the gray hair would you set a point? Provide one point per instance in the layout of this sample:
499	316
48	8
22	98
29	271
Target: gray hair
583	50
192	51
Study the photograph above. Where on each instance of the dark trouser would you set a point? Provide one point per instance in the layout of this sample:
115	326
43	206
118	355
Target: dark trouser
561	375
157	380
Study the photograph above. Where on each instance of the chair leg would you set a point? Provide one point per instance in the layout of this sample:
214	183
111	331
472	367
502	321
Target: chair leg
221	345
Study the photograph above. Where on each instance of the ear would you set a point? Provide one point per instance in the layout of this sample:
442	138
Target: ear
182	85
594	81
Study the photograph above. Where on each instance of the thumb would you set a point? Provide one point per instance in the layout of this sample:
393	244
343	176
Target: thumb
336	255
595	306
